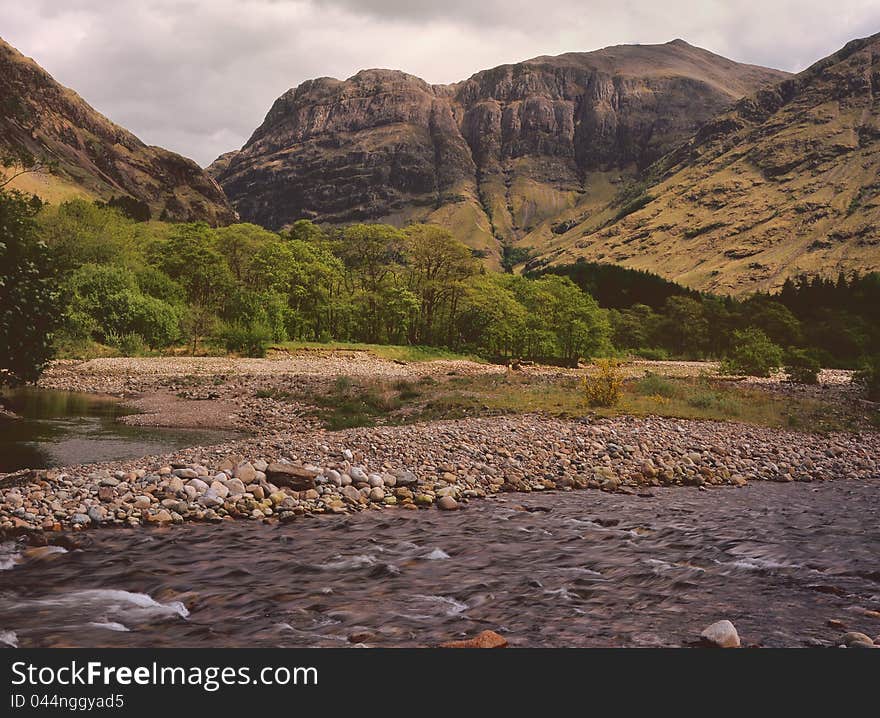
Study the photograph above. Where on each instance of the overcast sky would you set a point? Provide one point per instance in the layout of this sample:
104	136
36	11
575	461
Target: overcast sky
198	76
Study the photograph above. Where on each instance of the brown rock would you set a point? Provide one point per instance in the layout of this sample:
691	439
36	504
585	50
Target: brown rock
295	476
485	639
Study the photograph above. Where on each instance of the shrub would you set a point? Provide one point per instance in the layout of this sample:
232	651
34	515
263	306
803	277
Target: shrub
870	378
128	345
802	367
249	340
715	401
603	387
652	353
752	354
655	385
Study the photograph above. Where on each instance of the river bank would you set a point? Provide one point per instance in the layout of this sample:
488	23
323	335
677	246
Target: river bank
290	466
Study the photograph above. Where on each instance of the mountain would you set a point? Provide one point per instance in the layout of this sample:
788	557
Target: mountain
95	158
786	182
491	157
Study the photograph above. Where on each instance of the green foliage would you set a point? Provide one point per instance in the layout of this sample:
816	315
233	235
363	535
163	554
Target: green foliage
128	345
79	232
106	300
511	256
802	366
651	353
685	326
379	285
129	207
248	340
869	376
29	296
655	385
752	354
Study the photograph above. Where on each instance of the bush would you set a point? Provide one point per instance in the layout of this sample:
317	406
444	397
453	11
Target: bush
802	367
752	354
128	345
249	340
870	378
603	388
652	353
656	385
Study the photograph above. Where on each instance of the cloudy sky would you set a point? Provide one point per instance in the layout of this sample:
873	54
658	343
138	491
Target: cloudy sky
197	76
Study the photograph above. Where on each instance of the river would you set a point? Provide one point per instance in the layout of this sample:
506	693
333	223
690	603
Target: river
581	568
63	428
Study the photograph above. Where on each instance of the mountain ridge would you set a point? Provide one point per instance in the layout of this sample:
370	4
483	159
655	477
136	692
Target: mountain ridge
783	183
493	154
95	157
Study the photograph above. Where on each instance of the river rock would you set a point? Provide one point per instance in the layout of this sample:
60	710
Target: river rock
245	472
220	489
855	637
358	474
235	486
199	485
297	477
485	639
721	634
377	494
405	478
447	503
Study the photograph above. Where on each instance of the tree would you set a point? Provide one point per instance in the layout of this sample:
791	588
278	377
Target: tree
239	243
113	306
491	319
685	329
19	161
79	232
437	266
753	354
190	256
774	319
372	253
635	327
29	297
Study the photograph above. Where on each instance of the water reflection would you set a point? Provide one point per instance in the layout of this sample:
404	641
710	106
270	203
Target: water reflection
60	428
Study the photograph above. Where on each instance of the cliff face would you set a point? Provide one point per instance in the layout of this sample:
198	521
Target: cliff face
95	158
785	182
492	156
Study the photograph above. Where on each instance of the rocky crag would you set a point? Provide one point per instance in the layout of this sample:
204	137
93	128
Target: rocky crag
491	157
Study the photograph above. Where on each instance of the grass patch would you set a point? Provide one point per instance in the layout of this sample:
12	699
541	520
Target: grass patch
352	403
383	351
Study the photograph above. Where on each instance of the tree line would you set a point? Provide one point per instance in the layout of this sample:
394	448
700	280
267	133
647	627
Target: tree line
85	274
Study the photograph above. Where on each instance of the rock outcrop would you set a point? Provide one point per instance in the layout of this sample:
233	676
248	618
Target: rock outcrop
492	156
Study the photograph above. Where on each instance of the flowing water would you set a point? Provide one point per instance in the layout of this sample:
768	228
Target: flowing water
61	428
558	569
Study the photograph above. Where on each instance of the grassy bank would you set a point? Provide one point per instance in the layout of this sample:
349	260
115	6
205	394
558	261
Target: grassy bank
389	352
351	403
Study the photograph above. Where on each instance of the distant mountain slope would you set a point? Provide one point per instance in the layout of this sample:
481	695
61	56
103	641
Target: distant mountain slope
491	157
95	157
788	181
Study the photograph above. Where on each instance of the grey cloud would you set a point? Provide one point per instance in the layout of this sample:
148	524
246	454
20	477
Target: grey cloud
198	76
